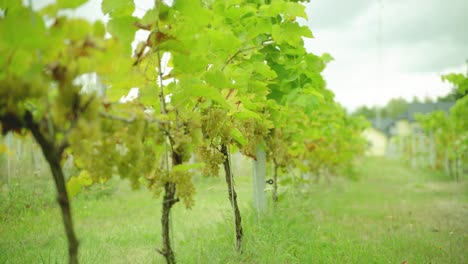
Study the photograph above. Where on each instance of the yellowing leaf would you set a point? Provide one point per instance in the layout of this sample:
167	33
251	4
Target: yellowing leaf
75	184
3	148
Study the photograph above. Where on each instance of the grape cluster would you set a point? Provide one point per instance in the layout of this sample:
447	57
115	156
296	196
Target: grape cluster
277	147
212	158
182	142
216	125
254	131
185	189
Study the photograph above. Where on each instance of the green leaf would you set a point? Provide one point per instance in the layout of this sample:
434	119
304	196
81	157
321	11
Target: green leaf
31	36
150	17
62	4
246	114
193	88
75	184
291	33
274	9
148	96
248	104
187	166
123	29
193	11
77	29
237	136
217	79
326	58
99	30
225	41
118	8
262	26
187	64
20	62
264	70
10	4
115	93
50	10
295	10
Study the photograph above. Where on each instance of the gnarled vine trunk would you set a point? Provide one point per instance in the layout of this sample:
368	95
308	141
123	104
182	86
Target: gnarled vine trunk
53	154
168	201
232	197
65	209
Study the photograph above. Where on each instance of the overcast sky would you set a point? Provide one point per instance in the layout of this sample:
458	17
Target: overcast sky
389	48
383	49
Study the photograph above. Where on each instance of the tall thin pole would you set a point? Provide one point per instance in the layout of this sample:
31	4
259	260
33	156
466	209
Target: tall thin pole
259	175
9	145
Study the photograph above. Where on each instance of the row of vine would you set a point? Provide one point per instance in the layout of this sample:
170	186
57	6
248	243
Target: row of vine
214	77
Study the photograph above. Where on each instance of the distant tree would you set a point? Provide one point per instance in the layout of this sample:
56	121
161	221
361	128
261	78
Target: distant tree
367	112
415	100
427	99
394	108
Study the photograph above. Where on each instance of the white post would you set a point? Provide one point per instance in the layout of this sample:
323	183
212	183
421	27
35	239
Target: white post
413	150
9	145
422	150
432	151
18	156
259	184
447	162
401	147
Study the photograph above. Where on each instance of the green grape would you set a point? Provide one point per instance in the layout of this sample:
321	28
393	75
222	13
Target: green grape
212	158
185	188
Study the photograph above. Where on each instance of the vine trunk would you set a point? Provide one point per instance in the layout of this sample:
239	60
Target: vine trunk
168	201
53	154
232	197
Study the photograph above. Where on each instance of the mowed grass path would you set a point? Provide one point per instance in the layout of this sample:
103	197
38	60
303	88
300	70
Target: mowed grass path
392	214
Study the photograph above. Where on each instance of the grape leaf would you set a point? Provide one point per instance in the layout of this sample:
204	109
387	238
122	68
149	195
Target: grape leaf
62	4
118	8
122	29
237	136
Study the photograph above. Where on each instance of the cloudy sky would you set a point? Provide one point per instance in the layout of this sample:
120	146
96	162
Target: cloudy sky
389	48
383	49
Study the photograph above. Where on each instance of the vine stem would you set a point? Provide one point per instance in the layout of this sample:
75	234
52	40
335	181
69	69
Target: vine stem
266	43
169	198
232	197
275	181
53	154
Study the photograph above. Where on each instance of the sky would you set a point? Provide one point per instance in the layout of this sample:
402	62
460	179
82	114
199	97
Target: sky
387	49
383	49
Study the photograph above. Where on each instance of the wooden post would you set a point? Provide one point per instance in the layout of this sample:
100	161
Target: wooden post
259	184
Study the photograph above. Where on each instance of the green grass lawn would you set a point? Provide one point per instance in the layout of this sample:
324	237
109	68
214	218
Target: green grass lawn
391	214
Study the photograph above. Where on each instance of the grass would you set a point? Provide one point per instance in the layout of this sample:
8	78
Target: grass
391	215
